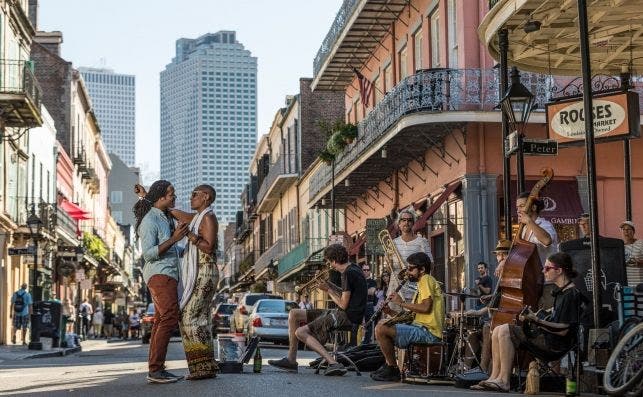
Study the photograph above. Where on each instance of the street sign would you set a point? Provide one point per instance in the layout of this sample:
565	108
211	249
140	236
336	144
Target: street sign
22	251
540	147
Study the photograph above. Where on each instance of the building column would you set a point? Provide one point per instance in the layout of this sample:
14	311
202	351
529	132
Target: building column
480	202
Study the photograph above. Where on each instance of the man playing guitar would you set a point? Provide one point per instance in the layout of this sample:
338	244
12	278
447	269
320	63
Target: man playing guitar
556	335
428	307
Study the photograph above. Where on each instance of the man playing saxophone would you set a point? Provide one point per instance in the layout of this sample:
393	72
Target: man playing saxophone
351	302
428	306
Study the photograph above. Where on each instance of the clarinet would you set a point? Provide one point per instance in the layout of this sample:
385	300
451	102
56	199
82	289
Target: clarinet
386	302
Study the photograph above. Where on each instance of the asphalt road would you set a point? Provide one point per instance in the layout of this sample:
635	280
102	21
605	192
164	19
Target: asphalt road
110	369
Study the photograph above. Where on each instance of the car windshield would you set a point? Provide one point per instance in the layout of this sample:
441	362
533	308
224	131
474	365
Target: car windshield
226	309
275	306
252	299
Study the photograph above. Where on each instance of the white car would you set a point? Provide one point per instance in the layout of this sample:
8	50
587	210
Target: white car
269	320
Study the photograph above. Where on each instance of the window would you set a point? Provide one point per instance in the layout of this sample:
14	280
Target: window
417	50
388	78
453	36
435	40
116	197
378	90
402	63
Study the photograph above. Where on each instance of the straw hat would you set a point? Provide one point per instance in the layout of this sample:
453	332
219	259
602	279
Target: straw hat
503	246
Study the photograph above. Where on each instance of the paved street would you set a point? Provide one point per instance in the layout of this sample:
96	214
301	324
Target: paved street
107	369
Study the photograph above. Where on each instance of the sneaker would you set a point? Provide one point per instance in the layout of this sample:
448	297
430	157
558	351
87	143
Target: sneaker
162	377
284	364
389	374
336	369
380	369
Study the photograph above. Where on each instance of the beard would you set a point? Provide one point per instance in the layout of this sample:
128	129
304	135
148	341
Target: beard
413	279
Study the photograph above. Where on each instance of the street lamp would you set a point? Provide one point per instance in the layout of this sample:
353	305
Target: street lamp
517	105
34	224
80	253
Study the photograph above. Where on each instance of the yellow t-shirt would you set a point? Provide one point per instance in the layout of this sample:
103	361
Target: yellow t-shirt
433	321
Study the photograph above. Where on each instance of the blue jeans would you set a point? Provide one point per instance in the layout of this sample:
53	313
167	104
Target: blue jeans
405	334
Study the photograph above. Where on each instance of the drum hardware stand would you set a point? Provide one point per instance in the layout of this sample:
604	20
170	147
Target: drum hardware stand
462	341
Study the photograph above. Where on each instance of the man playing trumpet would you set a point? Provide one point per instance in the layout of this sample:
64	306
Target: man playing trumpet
428	306
351	302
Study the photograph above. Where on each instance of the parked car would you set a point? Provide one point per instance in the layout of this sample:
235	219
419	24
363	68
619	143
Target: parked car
221	317
147	322
245	306
269	320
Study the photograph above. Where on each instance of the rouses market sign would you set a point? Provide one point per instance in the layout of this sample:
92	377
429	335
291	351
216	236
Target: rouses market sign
615	117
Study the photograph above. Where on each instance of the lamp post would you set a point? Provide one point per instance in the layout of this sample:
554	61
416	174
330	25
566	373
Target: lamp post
80	253
517	105
35	223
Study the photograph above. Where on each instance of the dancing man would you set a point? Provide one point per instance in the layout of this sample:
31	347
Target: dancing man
351	303
428	306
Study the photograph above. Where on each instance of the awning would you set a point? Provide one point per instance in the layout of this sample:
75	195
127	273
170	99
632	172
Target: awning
357	245
74	210
561	199
421	222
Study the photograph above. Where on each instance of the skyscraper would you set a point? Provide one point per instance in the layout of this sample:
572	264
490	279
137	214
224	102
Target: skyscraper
209	119
113	98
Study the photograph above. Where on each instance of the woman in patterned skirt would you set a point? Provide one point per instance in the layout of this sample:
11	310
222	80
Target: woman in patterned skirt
199	279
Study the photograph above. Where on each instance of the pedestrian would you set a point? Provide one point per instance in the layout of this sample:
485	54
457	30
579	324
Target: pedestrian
21	310
304	304
158	238
86	311
199	276
371	299
134	324
633	253
123	319
69	317
108	322
97	323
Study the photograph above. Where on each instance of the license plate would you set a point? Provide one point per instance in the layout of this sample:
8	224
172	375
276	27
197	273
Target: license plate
278	322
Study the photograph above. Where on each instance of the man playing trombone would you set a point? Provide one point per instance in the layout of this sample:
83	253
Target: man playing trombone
427	324
351	302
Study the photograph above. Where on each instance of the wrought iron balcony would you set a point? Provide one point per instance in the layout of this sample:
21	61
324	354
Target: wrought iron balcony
281	174
298	255
431	92
336	29
20	94
275	252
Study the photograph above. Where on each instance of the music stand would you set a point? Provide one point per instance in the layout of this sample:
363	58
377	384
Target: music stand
462	342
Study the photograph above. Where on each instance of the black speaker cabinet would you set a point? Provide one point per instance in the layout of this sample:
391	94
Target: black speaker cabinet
612	265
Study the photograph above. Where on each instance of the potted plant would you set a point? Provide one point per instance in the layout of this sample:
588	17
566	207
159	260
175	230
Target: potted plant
348	132
336	143
326	156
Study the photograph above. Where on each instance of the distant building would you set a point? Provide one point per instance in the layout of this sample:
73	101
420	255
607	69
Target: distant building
121	190
209	119
113	96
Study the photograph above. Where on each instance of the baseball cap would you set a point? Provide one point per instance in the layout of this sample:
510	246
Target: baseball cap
629	223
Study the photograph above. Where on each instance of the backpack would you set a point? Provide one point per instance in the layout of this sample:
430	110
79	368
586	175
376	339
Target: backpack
19	303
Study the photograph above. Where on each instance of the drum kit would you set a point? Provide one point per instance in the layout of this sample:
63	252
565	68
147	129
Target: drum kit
454	355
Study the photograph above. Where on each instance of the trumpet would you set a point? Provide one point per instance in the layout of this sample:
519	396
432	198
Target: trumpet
315	282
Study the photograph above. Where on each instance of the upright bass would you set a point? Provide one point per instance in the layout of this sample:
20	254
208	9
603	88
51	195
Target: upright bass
520	283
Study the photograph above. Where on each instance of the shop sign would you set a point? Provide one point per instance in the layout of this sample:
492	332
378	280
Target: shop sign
615	117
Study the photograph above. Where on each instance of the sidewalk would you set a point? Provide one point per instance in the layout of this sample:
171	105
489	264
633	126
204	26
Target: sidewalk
21	352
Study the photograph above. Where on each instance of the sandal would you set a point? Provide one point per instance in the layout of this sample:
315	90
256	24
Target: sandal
492	386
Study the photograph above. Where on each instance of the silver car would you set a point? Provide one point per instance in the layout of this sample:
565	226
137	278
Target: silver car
269	320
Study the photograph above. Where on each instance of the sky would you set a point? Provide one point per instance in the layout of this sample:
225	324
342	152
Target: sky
138	37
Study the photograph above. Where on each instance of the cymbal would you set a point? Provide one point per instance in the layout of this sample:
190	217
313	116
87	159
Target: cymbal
462	295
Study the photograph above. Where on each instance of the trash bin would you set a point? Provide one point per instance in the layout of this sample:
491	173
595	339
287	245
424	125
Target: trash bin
50	320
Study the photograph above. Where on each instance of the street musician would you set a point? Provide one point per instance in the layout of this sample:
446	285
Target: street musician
426	327
351	303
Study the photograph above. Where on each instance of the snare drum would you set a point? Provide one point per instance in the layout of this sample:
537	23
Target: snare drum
426	362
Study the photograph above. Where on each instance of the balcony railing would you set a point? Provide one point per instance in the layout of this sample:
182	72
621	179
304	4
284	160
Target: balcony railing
298	254
280	175
275	252
20	94
432	90
336	29
65	222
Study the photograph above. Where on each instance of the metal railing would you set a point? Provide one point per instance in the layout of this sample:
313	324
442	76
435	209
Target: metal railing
272	253
341	19
431	90
300	253
64	221
284	164
17	77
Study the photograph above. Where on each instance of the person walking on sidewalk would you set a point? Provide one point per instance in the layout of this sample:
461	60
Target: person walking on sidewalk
20	312
108	322
97	323
158	237
86	311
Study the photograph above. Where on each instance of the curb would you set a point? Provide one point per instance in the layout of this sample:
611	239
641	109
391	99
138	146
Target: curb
60	353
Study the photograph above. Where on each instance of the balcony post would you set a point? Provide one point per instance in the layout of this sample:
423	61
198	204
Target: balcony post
503	41
332	197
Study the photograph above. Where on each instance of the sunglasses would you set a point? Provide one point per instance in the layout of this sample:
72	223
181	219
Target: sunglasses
407	220
194	193
366	269
548	268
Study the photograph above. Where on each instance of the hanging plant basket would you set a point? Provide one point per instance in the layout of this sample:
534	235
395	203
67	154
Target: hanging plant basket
65	269
348	132
326	156
336	143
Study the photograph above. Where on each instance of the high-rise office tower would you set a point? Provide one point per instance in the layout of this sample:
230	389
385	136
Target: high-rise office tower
209	119
113	98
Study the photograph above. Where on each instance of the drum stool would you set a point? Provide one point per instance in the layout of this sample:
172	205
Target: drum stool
425	362
335	337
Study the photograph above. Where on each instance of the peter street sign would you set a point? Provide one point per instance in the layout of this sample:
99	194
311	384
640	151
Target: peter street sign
534	147
22	251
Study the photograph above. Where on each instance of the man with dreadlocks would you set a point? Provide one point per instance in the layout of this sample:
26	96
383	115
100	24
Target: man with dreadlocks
158	237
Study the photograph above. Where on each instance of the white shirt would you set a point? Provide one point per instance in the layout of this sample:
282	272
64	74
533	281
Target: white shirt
419	244
634	251
543	250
